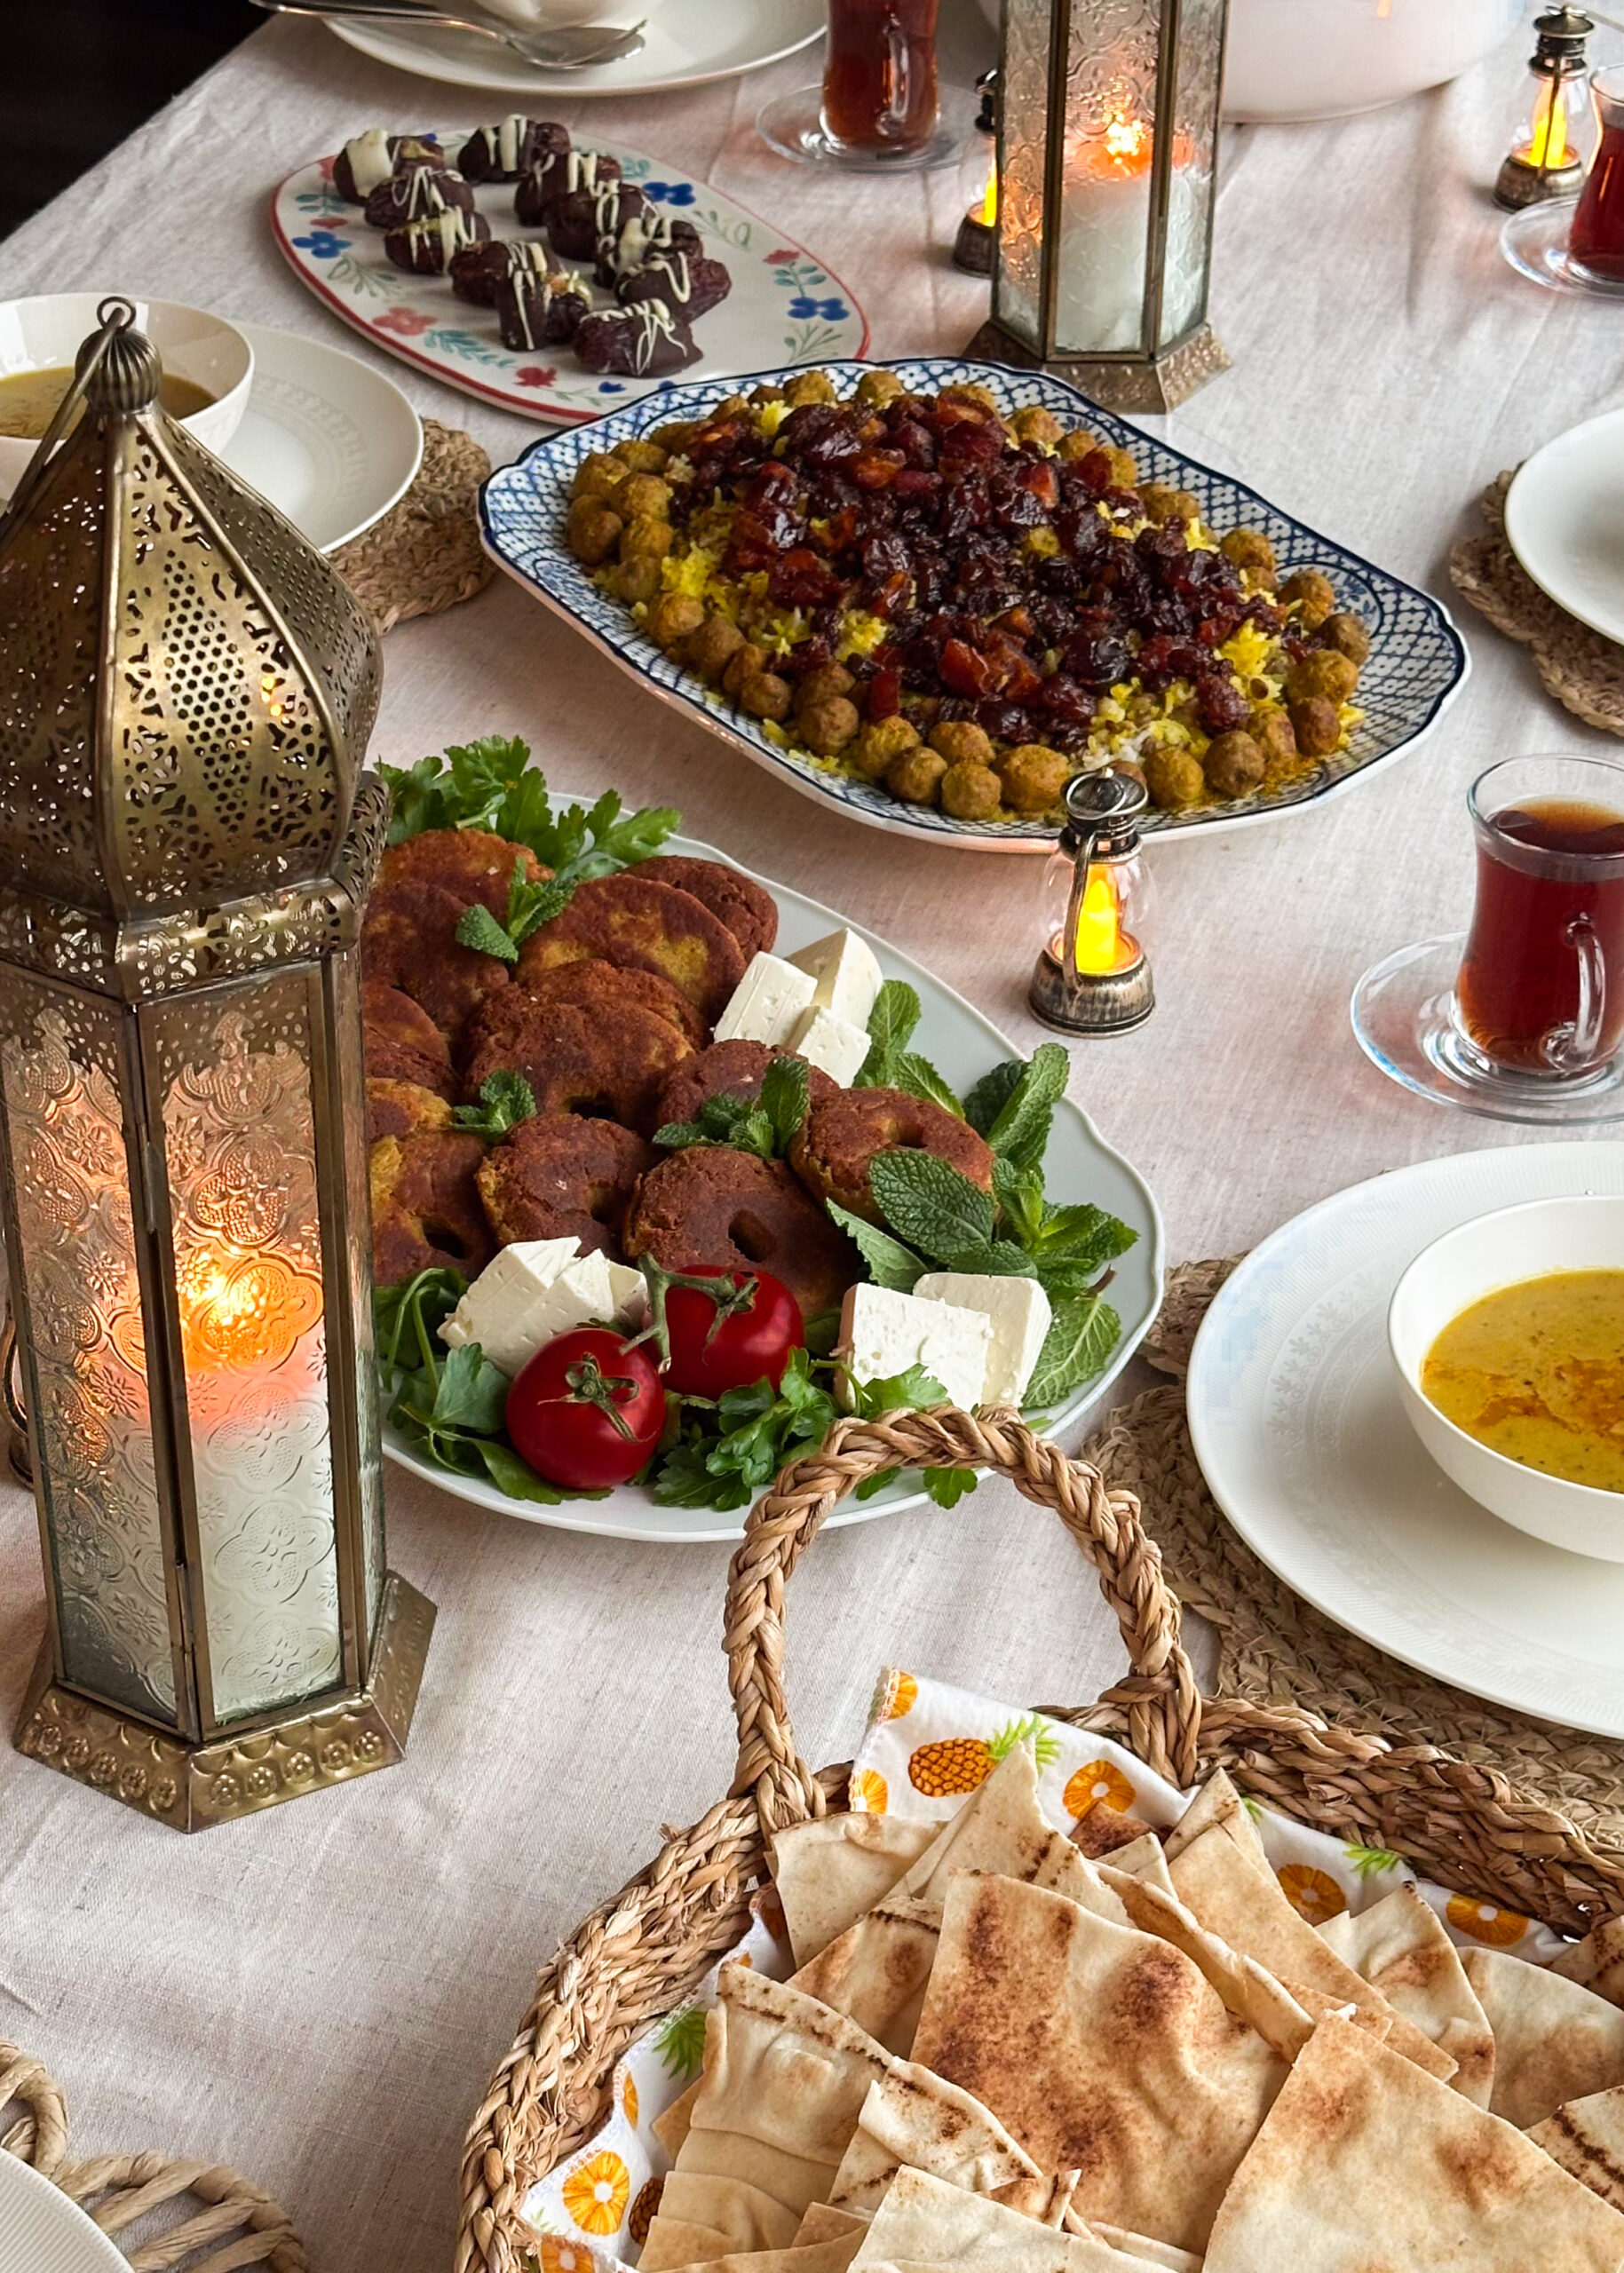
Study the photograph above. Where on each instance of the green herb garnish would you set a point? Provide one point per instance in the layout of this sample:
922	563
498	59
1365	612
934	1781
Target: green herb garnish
505	1099
766	1126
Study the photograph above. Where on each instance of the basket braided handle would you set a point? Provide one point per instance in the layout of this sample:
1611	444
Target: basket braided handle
1160	1698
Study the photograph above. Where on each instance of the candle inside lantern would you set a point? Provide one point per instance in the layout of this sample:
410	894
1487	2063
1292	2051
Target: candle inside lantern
1103	944
1549	144
1106	235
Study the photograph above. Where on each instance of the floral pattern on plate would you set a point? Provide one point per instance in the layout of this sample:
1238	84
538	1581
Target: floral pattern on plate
1417	666
782	297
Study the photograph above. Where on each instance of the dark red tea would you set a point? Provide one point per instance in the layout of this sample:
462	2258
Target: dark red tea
1547	942
879	78
1597	239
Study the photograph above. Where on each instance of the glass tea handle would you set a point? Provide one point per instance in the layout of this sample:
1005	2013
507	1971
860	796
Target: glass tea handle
1574	1049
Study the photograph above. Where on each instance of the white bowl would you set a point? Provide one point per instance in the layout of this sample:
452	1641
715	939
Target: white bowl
1322	59
559	15
1493	1251
46	333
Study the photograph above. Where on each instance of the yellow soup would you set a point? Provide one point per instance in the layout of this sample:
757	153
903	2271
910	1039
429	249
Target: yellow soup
1536	1372
28	399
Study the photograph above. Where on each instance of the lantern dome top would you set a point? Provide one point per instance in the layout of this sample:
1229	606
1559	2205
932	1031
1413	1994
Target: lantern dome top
118	366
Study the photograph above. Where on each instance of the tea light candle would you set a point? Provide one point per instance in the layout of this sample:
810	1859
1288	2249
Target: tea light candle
1106	230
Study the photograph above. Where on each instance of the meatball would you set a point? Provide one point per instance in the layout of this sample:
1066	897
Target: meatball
915	777
758	395
1324	674
712	647
644	493
971	792
674	436
1316	725
1271	730
1234	764
766	695
673	617
982	395
743	663
1130	770
809	386
1174	779
598	475
1033	777
817	687
1311	594
1035	424
1079	444
592	531
881	742
647	538
641	456
1349	636
1250	549
1124	472
827	727
637	580
960	742
877	388
1162	504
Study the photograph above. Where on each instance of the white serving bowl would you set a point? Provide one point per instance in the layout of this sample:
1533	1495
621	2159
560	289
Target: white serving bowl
1322	59
46	333
1530	1242
559	15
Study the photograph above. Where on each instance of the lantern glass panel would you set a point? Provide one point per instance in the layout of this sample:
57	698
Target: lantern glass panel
1197	65
239	1126
84	1351
344	972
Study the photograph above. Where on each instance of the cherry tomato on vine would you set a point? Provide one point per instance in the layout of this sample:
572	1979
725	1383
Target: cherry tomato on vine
728	1329
587	1410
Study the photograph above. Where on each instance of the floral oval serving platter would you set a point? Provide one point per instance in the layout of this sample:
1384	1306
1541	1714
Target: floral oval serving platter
1417	666
781	295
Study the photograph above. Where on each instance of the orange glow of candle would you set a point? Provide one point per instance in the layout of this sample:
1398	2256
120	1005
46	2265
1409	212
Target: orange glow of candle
1549	145
1102	944
986	212
240	1310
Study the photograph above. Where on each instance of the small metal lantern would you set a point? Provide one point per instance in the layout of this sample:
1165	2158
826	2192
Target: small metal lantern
1107	164
1555	134
977	240
185	845
1093	975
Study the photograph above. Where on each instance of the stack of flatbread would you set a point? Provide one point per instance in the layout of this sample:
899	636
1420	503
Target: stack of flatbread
997	2053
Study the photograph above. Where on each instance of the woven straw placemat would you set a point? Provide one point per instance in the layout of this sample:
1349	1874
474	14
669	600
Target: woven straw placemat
1275	1649
1584	671
425	555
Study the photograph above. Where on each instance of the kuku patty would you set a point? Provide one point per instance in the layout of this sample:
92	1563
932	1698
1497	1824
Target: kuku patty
643	926
843	1136
473	863
712	1205
730	1069
425	1205
606	990
562	1178
409	941
402	1043
610	1068
746	908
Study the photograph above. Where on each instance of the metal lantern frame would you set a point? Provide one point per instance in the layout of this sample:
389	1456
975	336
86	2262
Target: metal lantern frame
1153	374
187	844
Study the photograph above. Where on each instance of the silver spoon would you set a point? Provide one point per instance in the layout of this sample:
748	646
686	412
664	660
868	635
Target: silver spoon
572	48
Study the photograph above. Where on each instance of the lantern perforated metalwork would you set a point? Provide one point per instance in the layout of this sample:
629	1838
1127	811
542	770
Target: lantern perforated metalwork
186	842
1107	173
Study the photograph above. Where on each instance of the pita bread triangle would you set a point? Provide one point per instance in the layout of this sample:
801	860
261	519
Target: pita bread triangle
1364	2162
828	1872
1554	2040
913	2119
824	2223
832	2255
1002	1828
1598	1962
875	1972
1587	2138
1099	2048
1399	1946
924	2221
1144	1859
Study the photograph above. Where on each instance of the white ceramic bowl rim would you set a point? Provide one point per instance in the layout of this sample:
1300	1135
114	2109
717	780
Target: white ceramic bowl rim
1561	1487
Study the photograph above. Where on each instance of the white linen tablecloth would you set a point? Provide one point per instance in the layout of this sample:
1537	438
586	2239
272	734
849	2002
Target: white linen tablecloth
317	1995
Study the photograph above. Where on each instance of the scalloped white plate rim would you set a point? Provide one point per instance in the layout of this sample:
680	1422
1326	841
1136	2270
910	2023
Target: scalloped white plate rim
1396	1580
524	403
50	2233
631	1511
965	836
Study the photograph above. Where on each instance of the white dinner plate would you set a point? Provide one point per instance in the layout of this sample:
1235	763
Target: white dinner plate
688	42
1564	521
1296	1422
42	2231
1078	1165
331	442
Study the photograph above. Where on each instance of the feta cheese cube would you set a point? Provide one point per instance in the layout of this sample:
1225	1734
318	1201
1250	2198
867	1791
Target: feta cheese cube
1018	1311
846	974
505	1307
826	1039
882	1332
766	1002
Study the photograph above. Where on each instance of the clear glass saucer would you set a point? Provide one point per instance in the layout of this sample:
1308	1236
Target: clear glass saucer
1403	1017
1535	243
793	126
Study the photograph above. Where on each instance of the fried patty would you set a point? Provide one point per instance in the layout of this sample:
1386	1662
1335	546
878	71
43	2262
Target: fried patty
562	1178
470	862
425	1205
409	941
749	910
843	1136
640	925
730	1069
608	1067
402	1108
712	1205
604	989
402	1043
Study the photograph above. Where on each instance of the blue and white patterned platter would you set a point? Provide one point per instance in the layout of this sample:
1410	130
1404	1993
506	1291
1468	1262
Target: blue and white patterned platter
1417	666
781	296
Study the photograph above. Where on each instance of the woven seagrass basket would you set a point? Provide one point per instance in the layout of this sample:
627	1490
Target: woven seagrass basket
644	1952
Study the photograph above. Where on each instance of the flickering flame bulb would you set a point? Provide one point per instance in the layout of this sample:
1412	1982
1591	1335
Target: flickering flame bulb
1102	944
986	212
1128	139
1549	143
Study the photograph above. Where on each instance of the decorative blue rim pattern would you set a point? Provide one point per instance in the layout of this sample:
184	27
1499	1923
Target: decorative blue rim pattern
1417	666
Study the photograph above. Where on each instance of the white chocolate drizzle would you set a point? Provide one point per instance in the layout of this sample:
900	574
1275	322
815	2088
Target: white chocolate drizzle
371	163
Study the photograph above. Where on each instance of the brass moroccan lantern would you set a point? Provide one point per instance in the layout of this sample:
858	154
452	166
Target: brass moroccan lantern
186	843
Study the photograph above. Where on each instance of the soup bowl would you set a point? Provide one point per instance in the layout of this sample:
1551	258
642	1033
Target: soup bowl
45	334
1513	1244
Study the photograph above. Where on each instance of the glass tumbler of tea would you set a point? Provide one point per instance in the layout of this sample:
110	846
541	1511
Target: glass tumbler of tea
1595	241
877	109
1539	995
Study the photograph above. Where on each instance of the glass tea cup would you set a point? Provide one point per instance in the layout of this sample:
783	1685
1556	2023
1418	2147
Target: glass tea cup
878	107
1595	241
1539	998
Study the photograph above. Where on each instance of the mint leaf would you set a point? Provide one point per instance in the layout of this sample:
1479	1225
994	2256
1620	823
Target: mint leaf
930	1205
990	1095
1002	1259
505	1099
890	1263
891	1022
532	904
913	1392
784	1088
729	1120
920	1078
1020	1192
949	1485
476	927
1079	1342
1020	1131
